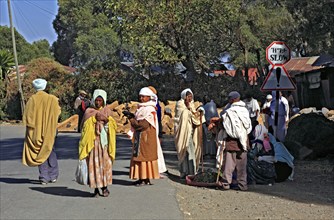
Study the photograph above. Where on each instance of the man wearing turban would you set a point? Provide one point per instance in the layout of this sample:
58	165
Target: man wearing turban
41	119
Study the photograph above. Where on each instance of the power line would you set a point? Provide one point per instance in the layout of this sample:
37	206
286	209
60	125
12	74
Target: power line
37	6
30	27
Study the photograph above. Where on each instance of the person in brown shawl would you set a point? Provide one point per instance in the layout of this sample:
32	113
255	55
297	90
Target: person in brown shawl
98	143
144	160
41	119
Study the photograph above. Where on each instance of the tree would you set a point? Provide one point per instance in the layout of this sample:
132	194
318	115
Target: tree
191	32
61	83
96	49
314	29
196	32
25	51
258	23
83	29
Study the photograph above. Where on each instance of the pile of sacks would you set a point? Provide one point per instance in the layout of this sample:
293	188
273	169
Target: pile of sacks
310	133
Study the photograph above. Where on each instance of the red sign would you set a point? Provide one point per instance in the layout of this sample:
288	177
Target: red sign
278	53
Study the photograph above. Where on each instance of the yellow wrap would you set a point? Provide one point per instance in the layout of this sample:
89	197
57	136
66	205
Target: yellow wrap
88	136
41	118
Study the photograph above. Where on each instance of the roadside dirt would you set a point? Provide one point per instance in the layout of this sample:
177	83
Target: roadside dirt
309	196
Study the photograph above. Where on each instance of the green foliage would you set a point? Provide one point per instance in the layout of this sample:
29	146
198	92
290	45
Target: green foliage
119	85
81	28
192	32
96	49
60	83
25	51
314	29
6	63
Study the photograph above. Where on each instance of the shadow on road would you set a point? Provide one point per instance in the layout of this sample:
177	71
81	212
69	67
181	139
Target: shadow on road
62	191
11	149
122	182
18	181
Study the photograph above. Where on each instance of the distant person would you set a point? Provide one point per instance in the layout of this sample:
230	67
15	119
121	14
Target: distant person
291	102
253	108
209	144
80	105
266	110
283	116
161	160
144	158
236	125
98	143
187	129
41	118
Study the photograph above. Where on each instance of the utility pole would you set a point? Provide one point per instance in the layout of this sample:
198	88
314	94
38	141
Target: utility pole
15	57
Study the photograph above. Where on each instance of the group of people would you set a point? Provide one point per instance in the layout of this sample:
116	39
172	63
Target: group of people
97	146
245	150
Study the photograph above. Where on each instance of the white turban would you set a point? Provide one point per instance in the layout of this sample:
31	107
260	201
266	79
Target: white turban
100	92
39	84
146	92
269	96
184	93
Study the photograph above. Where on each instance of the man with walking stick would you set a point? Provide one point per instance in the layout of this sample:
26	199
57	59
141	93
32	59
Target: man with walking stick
236	126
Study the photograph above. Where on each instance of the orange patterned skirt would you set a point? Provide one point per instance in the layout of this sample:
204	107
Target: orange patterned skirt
99	167
144	170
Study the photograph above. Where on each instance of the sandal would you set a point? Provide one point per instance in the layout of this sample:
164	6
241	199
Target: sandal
105	192
139	182
147	182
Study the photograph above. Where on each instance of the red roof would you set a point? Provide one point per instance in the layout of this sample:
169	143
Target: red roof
253	74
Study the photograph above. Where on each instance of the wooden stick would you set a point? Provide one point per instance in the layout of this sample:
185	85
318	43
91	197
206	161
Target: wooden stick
221	160
201	140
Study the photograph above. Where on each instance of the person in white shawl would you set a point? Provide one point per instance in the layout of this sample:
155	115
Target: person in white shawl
237	125
187	127
283	116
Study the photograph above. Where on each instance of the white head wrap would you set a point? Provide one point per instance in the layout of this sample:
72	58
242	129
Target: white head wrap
269	96
39	84
99	92
184	93
145	91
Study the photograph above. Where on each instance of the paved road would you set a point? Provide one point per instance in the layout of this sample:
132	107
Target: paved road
22	197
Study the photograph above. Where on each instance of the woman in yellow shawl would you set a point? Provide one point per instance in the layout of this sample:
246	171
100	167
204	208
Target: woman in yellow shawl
187	130
98	143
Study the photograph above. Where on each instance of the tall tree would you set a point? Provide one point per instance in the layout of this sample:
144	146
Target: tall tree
314	32
259	22
196	32
25	51
85	38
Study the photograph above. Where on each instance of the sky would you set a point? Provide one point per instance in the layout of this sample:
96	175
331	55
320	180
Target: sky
31	18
